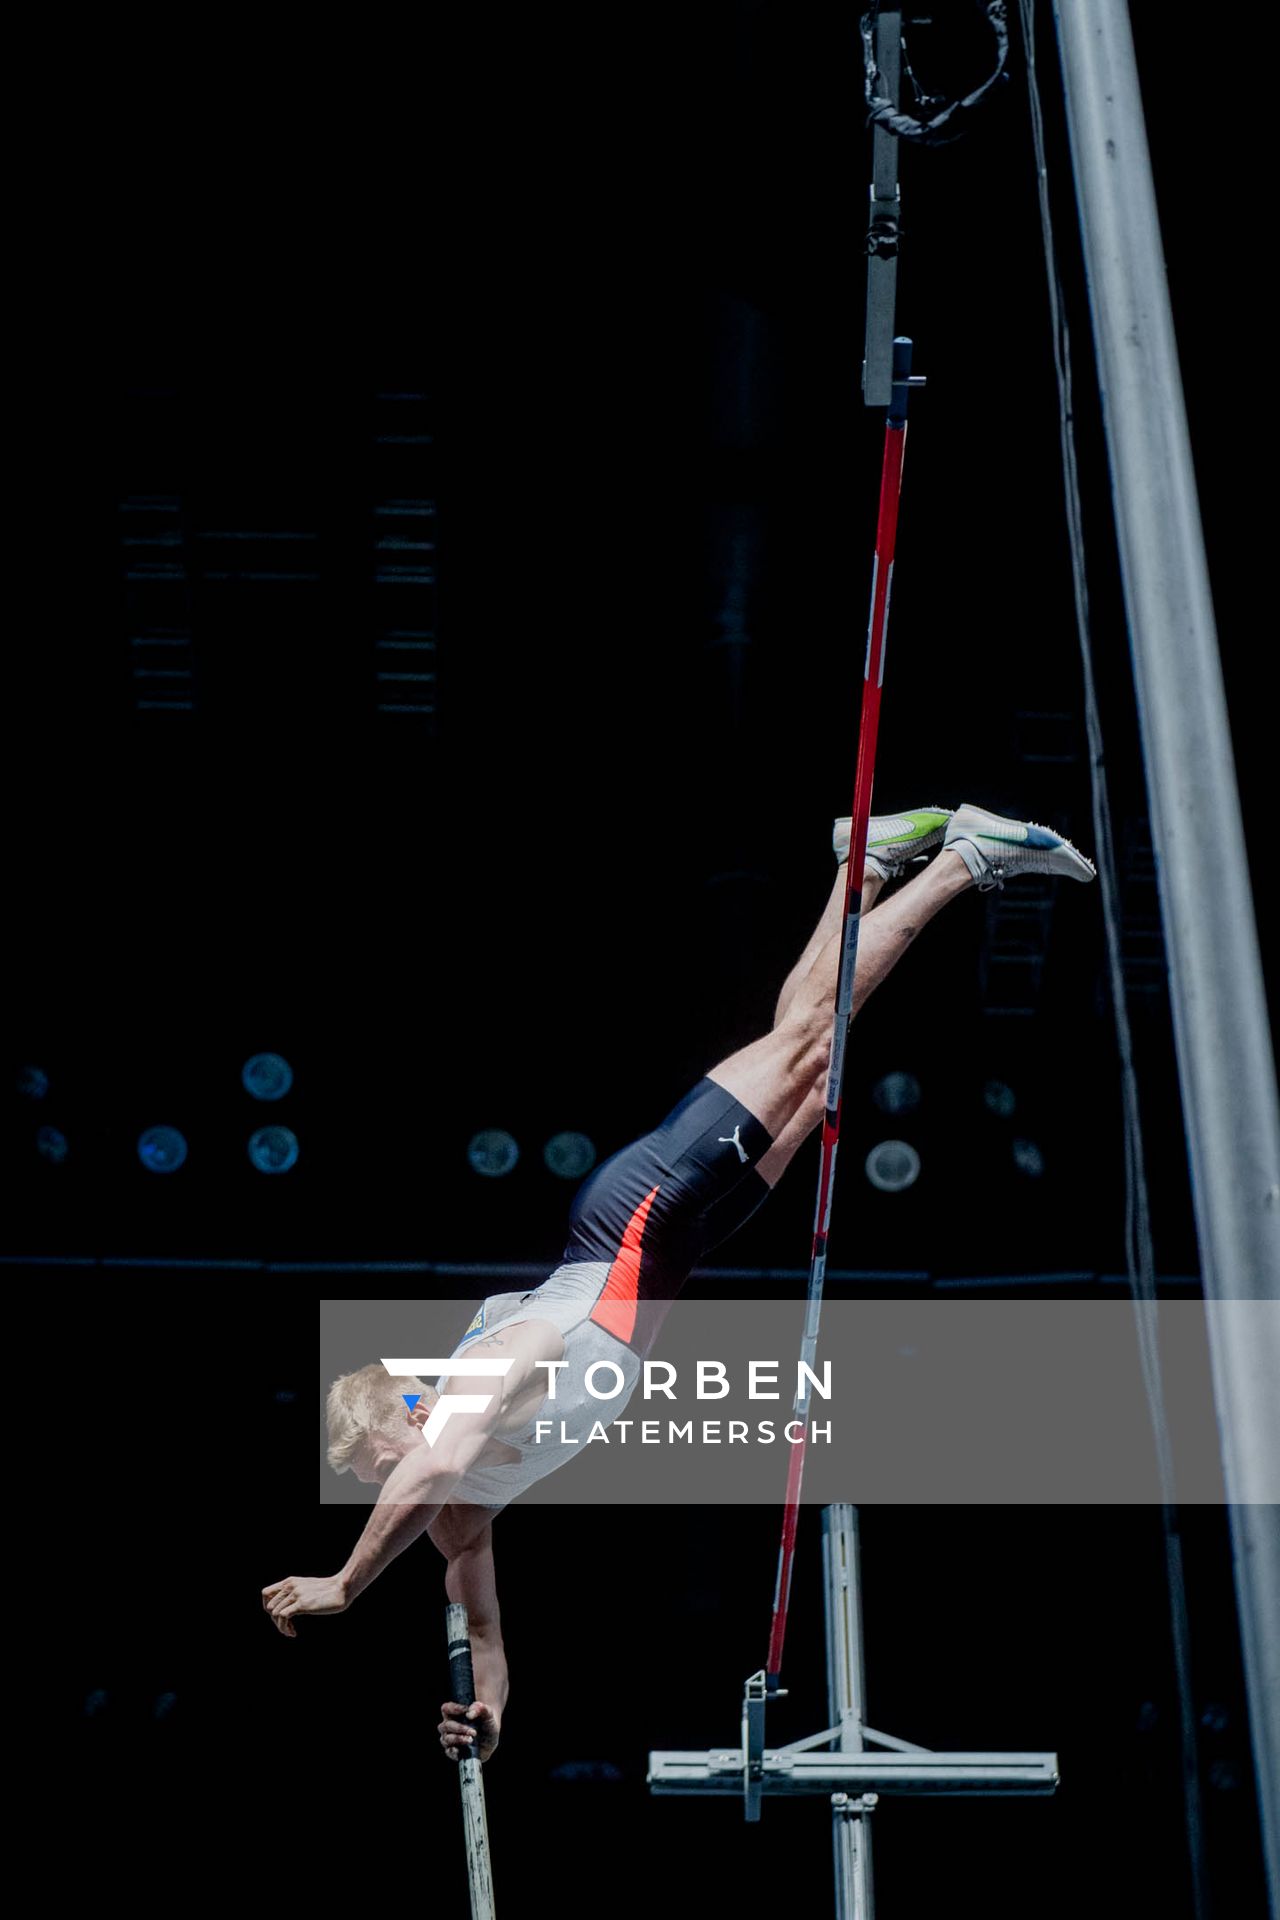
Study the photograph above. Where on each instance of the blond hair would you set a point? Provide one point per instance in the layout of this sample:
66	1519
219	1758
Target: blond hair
367	1401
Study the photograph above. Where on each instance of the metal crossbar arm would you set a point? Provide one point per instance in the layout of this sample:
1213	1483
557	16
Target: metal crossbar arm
814	1740
869	1736
853	1777
874	1739
783	1770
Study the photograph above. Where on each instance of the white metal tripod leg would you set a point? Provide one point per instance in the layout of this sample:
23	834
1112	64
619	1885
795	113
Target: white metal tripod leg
850	1816
851	1832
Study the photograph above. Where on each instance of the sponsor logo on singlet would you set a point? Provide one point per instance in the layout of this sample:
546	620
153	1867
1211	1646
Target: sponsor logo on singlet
477	1325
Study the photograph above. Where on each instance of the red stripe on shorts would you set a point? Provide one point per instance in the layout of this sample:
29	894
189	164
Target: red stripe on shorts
615	1310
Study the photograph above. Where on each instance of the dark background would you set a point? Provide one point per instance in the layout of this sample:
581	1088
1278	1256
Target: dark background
591	290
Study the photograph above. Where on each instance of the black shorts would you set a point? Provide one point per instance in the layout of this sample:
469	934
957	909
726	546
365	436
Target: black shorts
661	1204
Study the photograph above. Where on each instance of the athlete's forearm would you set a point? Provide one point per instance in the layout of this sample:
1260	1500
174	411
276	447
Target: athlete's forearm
489	1667
408	1503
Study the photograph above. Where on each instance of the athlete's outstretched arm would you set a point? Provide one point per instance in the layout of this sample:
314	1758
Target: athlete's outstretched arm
411	1497
470	1580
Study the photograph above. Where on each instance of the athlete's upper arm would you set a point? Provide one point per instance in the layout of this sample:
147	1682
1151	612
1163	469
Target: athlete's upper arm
469	1579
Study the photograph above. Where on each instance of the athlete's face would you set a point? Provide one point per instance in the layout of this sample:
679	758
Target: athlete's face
379	1454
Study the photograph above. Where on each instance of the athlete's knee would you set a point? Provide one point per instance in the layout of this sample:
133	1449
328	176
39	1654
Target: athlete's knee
798	1020
812	1036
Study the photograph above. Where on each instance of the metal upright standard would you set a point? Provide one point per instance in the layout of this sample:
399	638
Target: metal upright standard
1223	1042
470	1777
885	64
882	228
848	1760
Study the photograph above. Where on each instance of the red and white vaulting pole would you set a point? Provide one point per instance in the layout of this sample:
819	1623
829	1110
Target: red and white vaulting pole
895	439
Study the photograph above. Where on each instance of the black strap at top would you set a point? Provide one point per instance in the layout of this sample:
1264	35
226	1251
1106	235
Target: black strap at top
951	119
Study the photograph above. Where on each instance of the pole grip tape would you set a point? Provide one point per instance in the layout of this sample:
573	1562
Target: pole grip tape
462	1683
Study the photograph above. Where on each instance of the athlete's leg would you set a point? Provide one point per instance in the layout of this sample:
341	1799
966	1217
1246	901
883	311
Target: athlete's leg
829	924
732	1211
775	1077
806	1117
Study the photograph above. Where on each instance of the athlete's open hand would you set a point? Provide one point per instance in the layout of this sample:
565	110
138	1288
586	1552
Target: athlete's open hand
303	1593
468	1729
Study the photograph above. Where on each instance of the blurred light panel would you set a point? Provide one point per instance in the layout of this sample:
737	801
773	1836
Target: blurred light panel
493	1153
1028	1159
999	1098
32	1082
897	1093
51	1145
162	1149
267	1076
569	1155
893	1166
273	1149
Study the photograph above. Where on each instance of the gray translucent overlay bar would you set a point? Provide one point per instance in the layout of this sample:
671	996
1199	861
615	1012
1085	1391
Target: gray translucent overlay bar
938	1401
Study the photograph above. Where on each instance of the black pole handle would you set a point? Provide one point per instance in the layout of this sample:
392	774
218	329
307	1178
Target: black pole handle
462	1680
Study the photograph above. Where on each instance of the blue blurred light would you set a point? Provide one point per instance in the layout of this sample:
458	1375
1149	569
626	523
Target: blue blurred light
578	1770
162	1149
273	1149
165	1705
33	1082
267	1076
569	1155
493	1153
1000	1098
1028	1159
95	1703
51	1145
897	1093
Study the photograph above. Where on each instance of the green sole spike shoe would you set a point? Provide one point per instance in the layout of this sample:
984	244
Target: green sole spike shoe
995	849
895	840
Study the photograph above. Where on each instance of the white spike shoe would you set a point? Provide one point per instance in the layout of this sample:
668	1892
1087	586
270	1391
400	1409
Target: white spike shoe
894	840
993	848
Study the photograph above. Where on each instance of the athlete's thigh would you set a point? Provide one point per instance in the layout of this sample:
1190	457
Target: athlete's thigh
770	1076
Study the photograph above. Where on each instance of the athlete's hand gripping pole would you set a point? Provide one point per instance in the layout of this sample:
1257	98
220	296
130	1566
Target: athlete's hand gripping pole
895	437
470	1779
